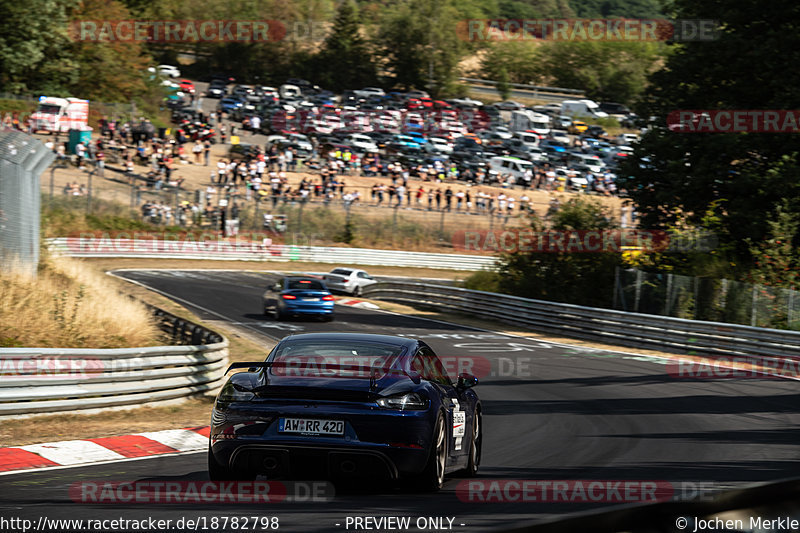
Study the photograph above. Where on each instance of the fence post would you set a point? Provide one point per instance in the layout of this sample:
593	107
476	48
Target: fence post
89	193
638	291
668	298
754	310
789	312
616	288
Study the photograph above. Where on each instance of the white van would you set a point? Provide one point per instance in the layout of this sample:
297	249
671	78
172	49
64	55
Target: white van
589	161
510	166
527	120
582	108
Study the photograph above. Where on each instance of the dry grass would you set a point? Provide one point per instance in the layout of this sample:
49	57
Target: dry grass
70	305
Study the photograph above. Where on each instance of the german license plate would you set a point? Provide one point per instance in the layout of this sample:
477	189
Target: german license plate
310	299
310	426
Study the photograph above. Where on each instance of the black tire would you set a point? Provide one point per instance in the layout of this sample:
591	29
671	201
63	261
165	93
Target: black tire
328	318
278	314
432	477
357	291
475	448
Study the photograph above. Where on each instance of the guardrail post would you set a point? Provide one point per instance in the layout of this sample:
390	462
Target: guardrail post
754	308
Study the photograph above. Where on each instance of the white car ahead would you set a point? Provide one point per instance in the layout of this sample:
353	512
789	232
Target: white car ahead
349	280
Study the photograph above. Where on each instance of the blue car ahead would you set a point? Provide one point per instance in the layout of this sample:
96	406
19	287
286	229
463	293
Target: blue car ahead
346	405
296	295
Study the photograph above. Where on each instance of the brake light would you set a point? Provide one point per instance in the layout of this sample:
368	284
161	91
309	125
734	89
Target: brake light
289	297
327	298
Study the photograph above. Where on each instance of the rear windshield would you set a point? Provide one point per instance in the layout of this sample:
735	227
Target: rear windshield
305	284
341	271
334	358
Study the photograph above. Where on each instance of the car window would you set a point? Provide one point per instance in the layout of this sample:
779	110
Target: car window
305	284
341	271
428	365
363	275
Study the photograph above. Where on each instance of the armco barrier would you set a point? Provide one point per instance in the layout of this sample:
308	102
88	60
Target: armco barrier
48	380
251	251
595	324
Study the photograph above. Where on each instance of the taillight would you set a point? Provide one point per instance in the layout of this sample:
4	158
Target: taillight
289	297
328	298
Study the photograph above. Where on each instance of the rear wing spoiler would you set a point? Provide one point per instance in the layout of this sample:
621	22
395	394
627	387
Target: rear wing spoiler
374	371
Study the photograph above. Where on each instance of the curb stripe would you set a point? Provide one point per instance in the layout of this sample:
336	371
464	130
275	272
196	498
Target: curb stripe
103	449
133	445
19	459
183	440
72	452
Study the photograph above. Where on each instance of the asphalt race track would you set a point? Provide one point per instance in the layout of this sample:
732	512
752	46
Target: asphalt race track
551	412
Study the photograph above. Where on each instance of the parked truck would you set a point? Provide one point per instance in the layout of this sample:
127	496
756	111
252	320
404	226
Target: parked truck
60	115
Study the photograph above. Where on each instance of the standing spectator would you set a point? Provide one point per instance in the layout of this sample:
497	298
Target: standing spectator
448	199
80	151
207	150
197	149
100	159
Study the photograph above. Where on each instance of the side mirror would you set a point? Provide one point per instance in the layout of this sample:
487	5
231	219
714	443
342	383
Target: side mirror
465	381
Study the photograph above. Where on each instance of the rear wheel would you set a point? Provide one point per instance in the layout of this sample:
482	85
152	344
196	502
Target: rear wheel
432	477
357	291
278	314
474	462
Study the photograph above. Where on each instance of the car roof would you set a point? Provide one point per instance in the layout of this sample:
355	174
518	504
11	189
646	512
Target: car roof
354	337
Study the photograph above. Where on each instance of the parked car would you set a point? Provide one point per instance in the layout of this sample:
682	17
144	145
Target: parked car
348	280
216	89
187	86
509	105
169	70
577	127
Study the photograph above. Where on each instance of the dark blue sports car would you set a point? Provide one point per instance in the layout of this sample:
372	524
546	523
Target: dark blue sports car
346	405
298	295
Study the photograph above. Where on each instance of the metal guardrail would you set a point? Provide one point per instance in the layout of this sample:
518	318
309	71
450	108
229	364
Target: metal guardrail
48	380
253	251
537	88
615	327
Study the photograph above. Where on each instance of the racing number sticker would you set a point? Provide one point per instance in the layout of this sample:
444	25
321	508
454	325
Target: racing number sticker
459	424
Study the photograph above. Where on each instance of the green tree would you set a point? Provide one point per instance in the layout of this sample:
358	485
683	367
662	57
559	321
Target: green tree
750	65
579	278
420	45
34	46
519	59
776	259
607	70
110	71
503	88
345	60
